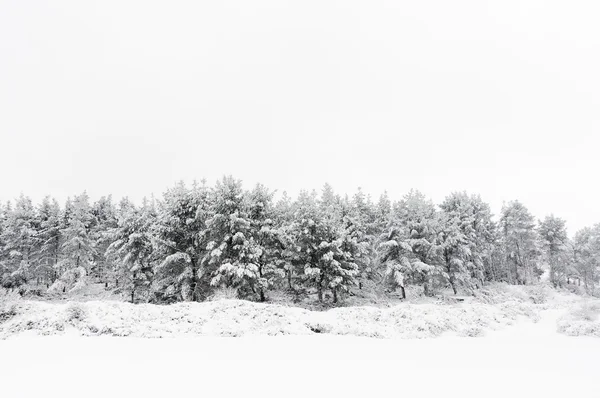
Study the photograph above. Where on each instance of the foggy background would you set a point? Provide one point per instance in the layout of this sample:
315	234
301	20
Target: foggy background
499	98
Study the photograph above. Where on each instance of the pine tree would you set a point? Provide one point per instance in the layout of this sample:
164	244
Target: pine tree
520	243
77	249
320	250
232	250
553	234
104	219
587	256
19	243
395	255
132	249
182	235
417	216
49	238
269	238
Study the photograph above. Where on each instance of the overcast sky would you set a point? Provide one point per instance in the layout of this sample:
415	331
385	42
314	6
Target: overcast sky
500	98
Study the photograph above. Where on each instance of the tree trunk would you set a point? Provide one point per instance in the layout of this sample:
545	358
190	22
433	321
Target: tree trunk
427	286
262	295
320	287
403	292
194	280
335	295
453	284
320	293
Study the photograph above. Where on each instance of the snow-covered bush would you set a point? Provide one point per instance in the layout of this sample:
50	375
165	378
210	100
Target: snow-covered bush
227	317
71	280
581	320
8	304
224	293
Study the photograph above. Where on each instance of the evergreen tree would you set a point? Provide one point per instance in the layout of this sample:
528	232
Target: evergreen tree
232	250
19	243
520	243
418	218
77	248
132	249
322	253
553	234
104	219
396	254
466	234
49	238
269	239
182	235
587	256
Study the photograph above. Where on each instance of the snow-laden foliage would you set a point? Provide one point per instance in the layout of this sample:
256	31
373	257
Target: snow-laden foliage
322	252
520	243
132	250
554	240
181	238
78	247
194	240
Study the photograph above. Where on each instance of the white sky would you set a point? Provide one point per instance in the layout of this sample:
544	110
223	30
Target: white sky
498	97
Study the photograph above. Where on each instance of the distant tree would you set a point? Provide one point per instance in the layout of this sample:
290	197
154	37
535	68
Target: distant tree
554	238
587	256
520	242
49	238
77	249
19	243
104	219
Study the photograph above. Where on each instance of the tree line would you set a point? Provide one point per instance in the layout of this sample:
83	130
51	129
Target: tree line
195	239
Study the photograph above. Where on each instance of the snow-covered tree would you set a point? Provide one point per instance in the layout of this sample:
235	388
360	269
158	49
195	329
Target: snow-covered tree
77	249
553	233
417	216
268	236
132	249
104	219
49	239
182	235
321	251
466	233
395	255
232	250
587	256
19	243
520	243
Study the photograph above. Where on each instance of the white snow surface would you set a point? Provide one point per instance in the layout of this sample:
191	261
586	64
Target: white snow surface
527	360
518	351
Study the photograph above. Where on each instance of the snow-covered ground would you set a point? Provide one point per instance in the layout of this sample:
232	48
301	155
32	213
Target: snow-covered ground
528	359
284	351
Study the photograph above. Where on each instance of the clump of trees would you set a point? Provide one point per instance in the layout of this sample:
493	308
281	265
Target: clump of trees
195	239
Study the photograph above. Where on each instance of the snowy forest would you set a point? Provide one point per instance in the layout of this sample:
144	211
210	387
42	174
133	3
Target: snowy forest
197	239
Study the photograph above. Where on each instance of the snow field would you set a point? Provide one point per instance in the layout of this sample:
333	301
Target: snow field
531	362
